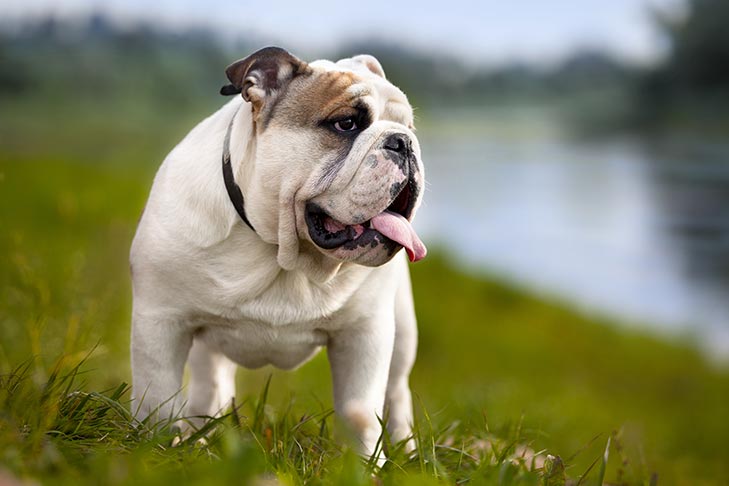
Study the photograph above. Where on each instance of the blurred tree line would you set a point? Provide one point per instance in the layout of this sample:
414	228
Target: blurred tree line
148	68
95	60
692	85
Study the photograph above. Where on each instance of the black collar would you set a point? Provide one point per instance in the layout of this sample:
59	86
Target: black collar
234	192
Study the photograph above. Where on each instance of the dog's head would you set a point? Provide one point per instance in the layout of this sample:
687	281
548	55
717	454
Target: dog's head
336	165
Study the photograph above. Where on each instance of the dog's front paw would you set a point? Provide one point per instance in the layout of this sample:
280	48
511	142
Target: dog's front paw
367	429
186	429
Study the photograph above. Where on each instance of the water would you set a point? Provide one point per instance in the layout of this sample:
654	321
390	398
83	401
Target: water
627	228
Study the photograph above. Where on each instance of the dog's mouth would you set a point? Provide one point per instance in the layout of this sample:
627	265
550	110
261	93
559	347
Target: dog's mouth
390	226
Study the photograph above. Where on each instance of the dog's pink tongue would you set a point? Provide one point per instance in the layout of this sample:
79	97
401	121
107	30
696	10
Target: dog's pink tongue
398	229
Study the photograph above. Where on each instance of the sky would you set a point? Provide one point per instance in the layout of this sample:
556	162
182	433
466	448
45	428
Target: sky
483	32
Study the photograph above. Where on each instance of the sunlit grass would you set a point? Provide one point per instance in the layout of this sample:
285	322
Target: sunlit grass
55	432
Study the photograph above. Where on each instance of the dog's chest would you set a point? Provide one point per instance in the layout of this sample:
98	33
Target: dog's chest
284	324
284	299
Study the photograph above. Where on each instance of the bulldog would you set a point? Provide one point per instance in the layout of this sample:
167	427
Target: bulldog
274	228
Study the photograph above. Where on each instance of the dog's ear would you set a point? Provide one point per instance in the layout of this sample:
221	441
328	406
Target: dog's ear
262	74
371	63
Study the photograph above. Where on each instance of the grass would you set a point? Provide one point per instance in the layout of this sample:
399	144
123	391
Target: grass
499	372
62	434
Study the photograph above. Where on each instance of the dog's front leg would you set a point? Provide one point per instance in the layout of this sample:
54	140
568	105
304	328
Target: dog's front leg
159	351
360	360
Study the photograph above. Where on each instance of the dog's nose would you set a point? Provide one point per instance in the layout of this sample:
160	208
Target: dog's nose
397	142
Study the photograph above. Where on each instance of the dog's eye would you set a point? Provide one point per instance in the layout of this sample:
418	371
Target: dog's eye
346	125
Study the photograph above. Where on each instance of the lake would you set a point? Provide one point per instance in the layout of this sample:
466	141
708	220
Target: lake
634	230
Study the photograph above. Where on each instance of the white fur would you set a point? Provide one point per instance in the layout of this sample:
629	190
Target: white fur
209	291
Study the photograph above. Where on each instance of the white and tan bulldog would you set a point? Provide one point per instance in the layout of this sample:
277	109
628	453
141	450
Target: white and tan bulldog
273	229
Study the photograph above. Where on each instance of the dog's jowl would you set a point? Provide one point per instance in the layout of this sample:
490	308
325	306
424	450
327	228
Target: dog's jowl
275	228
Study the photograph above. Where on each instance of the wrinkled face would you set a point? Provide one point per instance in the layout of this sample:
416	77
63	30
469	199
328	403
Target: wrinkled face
338	149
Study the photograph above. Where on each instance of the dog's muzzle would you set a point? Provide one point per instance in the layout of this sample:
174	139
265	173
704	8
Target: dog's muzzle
391	227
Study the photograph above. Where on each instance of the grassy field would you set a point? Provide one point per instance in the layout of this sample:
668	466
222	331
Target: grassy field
500	376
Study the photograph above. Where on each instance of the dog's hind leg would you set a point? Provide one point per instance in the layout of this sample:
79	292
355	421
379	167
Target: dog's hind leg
398	399
212	383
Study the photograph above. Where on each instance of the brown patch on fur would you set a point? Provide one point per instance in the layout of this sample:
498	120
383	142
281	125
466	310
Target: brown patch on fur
311	99
322	95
